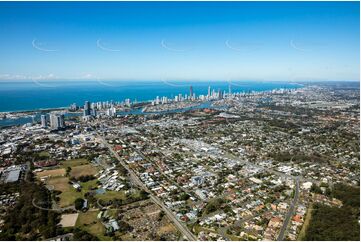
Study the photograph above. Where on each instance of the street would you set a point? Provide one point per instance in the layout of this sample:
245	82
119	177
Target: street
290	212
182	228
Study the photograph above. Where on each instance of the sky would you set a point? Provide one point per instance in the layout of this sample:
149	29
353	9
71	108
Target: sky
277	41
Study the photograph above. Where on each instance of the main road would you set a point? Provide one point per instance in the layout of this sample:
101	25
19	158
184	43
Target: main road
184	230
290	212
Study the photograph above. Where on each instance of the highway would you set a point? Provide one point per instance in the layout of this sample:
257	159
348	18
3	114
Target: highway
290	212
182	228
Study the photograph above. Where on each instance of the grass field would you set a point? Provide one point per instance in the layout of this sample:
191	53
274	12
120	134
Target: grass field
52	173
68	197
169	228
83	170
197	228
302	233
69	194
73	162
44	154
86	186
59	183
109	195
88	221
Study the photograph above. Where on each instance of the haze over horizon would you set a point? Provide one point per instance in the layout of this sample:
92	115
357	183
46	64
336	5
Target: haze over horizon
273	41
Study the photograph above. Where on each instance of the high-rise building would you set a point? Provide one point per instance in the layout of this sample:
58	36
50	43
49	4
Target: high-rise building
86	108
73	107
220	96
93	112
43	121
111	112
57	121
61	120
190	92
209	91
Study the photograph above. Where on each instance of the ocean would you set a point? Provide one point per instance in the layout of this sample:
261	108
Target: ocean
26	96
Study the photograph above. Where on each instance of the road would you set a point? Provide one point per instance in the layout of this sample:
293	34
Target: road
182	228
290	212
228	155
278	173
165	175
52	209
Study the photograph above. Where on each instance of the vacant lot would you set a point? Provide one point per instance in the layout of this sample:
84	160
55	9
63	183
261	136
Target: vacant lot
69	220
166	229
83	170
144	218
52	173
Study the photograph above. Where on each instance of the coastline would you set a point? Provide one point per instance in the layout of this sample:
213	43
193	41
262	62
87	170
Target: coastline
17	98
11	118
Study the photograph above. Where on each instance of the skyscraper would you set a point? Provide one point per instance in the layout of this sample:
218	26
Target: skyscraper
86	108
43	121
190	92
61	121
57	121
220	96
209	91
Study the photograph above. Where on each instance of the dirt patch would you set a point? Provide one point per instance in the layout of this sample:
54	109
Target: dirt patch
68	220
166	229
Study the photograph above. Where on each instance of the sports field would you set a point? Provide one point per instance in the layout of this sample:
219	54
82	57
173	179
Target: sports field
51	173
83	170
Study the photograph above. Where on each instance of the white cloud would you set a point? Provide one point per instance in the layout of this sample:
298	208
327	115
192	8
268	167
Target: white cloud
8	77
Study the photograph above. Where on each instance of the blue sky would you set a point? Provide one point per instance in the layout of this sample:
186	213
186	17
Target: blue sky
180	40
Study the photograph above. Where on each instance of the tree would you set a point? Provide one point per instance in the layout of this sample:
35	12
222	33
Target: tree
315	189
81	235
184	196
26	222
143	194
68	170
79	203
161	215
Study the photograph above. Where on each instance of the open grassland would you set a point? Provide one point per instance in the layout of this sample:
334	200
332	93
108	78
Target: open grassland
44	154
166	229
51	173
88	221
67	198
68	193
59	183
110	195
302	233
83	170
197	228
73	162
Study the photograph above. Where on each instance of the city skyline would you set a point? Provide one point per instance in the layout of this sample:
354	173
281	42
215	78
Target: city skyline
273	41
